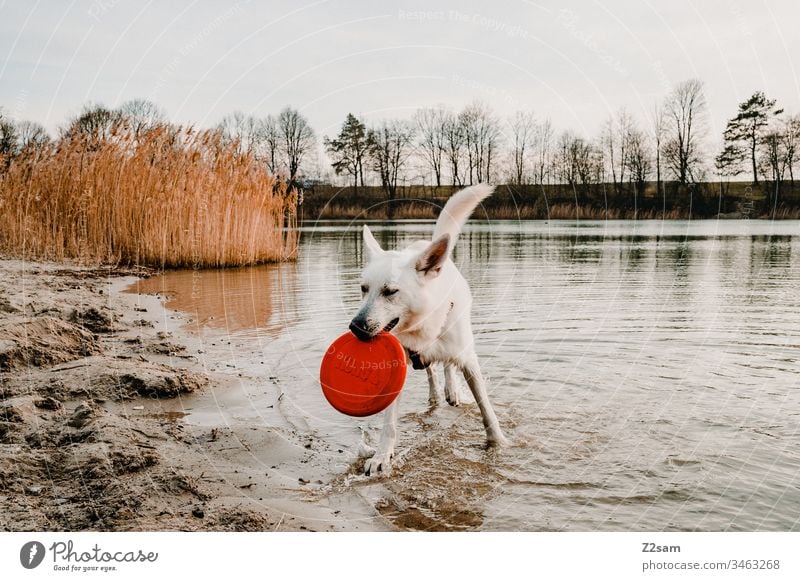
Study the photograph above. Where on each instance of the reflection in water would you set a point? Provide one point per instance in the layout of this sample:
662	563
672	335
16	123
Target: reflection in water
774	250
475	246
648	371
632	254
386	237
233	299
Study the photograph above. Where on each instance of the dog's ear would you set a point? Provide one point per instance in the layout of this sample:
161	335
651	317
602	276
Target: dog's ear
373	248
430	262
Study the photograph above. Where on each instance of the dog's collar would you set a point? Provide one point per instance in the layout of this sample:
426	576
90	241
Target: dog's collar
416	360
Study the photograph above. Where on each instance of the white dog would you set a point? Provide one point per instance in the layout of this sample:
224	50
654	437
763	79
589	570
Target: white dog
419	295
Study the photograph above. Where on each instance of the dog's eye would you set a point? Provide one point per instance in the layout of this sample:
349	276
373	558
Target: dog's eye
364	289
387	292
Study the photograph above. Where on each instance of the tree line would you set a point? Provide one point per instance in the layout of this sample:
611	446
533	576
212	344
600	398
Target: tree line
438	146
474	145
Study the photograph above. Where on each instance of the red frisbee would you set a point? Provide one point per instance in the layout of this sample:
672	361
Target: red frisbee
361	378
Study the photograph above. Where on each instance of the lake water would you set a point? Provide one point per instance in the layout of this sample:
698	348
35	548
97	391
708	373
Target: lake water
646	371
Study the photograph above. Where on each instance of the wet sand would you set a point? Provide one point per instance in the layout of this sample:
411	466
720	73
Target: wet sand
95	388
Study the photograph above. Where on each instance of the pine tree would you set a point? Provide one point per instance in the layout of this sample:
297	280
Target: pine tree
729	161
349	149
747	128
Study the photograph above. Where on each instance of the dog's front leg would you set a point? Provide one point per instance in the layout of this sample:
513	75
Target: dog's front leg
433	385
472	373
382	460
451	385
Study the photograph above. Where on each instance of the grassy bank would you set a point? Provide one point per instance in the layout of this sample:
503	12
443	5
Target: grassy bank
597	202
166	197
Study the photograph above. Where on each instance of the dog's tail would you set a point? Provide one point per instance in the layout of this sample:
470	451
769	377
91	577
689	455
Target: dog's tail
457	209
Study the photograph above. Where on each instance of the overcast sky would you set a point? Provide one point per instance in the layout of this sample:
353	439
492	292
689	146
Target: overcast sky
572	61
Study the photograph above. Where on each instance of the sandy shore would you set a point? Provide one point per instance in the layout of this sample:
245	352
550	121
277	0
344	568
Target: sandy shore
95	385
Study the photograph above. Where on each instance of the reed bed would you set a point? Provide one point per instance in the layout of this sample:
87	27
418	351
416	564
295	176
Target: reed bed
579	212
402	211
170	197
783	214
562	211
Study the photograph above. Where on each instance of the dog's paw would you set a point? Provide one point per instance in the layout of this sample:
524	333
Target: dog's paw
497	440
451	395
380	463
365	450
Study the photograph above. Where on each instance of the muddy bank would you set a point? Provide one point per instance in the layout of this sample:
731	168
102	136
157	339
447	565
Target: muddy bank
94	387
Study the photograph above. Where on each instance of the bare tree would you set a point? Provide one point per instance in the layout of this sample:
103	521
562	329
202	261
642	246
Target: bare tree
773	164
8	140
493	136
455	143
32	136
281	142
570	156
93	126
774	161
562	162
269	140
297	138
467	123
658	138
242	129
639	159
481	139
431	127
598	162
389	147
616	142
685	109
543	143
791	142
577	162
523	127
583	159
608	139
140	115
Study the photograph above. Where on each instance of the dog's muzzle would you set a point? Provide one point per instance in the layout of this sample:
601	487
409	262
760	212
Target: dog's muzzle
359	329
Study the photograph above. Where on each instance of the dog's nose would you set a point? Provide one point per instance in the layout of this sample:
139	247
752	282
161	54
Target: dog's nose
358	329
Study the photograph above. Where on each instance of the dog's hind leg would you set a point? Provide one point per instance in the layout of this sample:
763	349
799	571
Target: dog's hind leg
472	373
451	385
382	460
433	385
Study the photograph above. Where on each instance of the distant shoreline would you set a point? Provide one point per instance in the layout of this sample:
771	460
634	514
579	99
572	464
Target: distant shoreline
708	200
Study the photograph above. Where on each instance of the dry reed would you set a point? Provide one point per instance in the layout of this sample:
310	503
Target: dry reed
560	211
782	213
578	212
171	197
